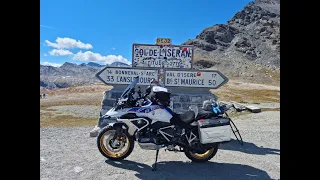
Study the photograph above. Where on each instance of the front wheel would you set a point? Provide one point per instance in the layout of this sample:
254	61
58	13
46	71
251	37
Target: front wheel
111	150
195	157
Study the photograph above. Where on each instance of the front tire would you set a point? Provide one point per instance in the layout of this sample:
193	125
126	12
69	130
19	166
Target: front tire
106	149
195	157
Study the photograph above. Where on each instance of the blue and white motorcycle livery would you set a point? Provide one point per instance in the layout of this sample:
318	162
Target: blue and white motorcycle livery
148	120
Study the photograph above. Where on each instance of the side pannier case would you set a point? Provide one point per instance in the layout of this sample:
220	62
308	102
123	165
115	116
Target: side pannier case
214	130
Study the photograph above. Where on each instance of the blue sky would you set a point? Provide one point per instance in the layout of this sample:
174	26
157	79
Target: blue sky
103	31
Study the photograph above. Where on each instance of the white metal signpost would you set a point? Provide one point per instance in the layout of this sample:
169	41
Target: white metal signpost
203	79
116	75
162	56
170	64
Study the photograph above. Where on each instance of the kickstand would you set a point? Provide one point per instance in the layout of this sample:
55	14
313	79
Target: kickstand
154	166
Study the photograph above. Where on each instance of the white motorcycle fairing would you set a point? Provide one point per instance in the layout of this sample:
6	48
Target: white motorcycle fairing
154	112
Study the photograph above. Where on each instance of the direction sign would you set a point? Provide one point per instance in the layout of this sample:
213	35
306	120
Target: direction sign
204	79
156	56
114	75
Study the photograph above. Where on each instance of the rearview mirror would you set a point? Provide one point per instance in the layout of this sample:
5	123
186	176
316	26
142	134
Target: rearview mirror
152	81
148	90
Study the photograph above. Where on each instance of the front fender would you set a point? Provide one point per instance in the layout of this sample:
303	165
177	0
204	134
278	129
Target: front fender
115	125
131	131
118	124
105	121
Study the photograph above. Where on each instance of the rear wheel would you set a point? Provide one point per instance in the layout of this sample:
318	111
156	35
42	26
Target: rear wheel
206	156
118	150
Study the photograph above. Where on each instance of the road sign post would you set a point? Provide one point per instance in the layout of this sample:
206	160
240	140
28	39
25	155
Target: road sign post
162	56
171	78
172	66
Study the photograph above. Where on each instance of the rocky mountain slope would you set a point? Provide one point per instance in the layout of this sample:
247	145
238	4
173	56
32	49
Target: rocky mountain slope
247	47
70	74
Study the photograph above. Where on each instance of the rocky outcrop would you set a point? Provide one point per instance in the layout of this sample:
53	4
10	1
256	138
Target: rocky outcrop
249	39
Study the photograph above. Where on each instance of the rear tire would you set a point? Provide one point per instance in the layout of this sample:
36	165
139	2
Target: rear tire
106	152
195	157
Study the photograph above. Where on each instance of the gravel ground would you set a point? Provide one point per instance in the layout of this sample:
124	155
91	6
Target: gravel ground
83	111
69	153
266	105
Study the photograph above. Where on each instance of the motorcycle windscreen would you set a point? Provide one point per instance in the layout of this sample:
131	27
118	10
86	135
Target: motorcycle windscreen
131	86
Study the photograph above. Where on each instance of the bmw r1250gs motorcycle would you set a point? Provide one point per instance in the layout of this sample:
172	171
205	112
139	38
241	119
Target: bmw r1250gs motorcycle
151	123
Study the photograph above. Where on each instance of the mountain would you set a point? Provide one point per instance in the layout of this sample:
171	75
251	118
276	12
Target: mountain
70	74
92	64
247	47
119	64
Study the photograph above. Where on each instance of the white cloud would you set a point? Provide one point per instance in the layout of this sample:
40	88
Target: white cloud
51	64
61	44
96	57
68	43
45	54
60	52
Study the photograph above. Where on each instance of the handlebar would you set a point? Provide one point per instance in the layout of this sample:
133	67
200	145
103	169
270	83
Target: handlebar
229	107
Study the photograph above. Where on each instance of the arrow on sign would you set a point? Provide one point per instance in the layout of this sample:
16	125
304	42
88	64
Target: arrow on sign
125	75
171	78
202	79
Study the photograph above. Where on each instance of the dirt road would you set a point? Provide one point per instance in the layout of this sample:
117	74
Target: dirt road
69	153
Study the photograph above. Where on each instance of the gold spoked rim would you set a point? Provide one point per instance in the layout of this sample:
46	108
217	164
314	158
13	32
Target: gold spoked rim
105	140
202	156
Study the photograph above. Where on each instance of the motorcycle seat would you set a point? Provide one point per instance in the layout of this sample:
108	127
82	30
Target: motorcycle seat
187	117
204	115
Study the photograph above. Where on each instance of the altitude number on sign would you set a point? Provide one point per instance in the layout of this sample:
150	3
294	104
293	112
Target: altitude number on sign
213	82
163	41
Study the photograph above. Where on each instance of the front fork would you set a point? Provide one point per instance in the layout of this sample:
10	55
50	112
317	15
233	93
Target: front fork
120	135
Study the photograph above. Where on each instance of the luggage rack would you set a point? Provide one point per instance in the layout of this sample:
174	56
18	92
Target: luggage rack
235	132
233	126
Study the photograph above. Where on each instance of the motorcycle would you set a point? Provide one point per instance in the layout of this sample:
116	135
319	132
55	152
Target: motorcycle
148	120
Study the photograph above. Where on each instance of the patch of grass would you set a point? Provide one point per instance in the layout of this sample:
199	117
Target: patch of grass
51	119
47	109
67	102
90	88
270	109
247	95
275	74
